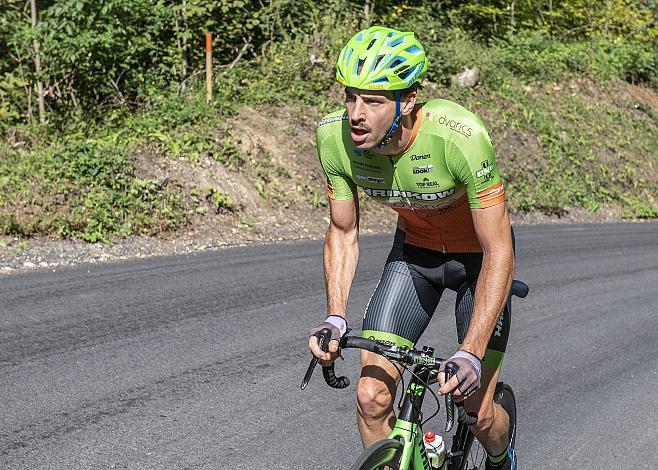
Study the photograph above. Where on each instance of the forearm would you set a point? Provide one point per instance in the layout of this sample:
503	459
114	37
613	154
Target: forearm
341	256
491	294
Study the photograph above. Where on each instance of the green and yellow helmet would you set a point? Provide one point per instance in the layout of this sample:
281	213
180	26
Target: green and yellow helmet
380	58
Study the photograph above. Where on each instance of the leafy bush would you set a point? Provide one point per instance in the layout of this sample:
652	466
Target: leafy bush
85	189
537	57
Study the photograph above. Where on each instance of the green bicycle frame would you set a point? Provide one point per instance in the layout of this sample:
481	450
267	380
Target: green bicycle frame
407	427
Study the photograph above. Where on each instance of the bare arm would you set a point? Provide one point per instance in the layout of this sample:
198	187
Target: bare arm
492	226
341	256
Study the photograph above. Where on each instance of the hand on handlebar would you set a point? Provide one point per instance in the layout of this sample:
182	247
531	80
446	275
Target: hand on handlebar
466	380
338	327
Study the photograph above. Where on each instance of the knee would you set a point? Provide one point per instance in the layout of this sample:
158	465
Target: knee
485	418
374	399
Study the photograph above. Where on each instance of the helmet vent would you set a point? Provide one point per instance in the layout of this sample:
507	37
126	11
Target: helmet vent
371	43
359	66
405	73
396	42
395	63
415	50
377	61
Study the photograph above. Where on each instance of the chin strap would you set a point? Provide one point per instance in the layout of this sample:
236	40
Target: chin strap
396	122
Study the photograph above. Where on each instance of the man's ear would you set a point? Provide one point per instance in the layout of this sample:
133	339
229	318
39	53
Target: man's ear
408	103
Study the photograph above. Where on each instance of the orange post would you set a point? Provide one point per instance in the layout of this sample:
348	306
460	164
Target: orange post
208	67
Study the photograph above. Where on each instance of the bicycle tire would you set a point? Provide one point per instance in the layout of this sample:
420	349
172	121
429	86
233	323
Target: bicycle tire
382	454
474	453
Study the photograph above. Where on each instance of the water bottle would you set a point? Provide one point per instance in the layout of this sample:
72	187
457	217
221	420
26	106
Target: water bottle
435	448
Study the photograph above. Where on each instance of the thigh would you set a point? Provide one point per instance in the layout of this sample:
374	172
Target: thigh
497	345
403	302
481	402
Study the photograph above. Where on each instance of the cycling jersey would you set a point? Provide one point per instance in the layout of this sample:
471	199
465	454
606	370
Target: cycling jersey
447	168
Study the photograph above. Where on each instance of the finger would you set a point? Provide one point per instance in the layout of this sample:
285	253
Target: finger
331	357
315	348
326	363
442	378
470	391
450	386
333	345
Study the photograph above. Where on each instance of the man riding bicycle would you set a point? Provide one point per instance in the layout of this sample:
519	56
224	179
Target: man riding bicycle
432	163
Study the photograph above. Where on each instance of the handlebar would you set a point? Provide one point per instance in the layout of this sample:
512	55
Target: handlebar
400	354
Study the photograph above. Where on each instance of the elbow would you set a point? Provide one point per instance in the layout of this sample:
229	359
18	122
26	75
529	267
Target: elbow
345	234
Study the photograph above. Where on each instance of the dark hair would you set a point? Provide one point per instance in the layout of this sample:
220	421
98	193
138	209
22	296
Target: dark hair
415	87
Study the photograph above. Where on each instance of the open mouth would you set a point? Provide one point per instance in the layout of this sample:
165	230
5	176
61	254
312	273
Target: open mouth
359	135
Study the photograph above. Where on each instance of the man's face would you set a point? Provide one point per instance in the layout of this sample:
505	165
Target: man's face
371	114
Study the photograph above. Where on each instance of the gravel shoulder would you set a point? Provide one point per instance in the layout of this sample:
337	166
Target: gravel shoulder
19	255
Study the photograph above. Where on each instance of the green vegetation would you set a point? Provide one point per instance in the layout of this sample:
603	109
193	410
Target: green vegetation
122	82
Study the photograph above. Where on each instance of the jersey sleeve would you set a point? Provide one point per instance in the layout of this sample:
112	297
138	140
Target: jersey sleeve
340	186
472	162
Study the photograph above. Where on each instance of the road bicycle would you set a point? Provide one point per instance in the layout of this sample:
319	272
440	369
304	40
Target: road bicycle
404	449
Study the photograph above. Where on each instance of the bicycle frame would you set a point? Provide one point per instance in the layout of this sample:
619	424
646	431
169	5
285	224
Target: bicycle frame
407	426
408	429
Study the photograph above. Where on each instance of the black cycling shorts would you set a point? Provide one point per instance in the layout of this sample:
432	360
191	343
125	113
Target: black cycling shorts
409	291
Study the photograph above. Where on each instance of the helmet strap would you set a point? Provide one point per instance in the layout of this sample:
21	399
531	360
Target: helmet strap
396	121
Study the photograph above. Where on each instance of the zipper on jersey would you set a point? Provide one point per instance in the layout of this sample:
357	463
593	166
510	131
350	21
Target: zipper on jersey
397	182
395	177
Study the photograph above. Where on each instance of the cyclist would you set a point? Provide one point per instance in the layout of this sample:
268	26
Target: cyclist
432	163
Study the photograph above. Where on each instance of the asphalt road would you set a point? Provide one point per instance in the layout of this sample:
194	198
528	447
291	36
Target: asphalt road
195	361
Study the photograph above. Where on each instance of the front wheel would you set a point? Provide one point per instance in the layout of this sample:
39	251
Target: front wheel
475	453
384	454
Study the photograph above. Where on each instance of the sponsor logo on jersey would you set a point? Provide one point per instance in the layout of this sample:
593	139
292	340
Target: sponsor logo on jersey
366	166
388	193
427	183
420	157
452	124
486	170
423	169
370	179
329	120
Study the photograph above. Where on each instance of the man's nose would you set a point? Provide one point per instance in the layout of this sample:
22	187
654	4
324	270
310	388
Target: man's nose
358	113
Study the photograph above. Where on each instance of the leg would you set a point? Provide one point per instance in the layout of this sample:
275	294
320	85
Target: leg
398	312
375	394
492	428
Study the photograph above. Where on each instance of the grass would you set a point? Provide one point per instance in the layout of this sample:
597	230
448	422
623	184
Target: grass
567	130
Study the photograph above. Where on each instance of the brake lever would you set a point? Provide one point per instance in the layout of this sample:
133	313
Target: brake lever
324	335
450	370
464	417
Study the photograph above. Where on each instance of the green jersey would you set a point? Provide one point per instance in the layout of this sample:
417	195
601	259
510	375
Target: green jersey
447	168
